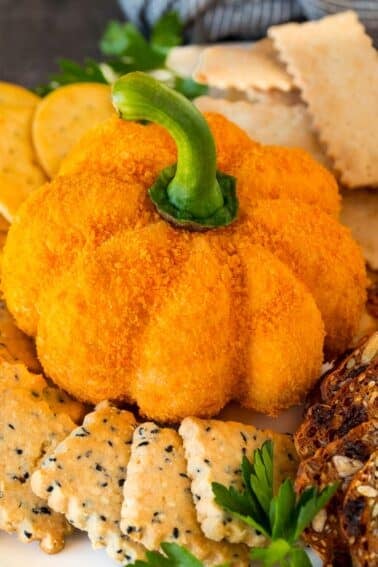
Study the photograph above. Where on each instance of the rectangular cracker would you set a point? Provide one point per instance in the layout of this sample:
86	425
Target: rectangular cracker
83	478
256	66
17	375
28	429
158	504
334	64
270	121
214	451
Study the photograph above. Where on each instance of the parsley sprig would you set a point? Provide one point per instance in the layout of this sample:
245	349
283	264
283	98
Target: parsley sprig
125	50
281	518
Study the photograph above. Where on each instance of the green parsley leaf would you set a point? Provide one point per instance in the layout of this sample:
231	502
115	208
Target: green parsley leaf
189	88
127	50
167	33
282	511
309	504
124	41
274	554
72	72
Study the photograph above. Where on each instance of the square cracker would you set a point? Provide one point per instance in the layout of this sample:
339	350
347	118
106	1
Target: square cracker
83	479
14	375
257	66
214	451
28	429
270	121
158	504
334	64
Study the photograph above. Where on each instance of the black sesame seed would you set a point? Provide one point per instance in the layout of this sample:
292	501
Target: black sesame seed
244	437
175	533
130	529
19	451
121	482
27	534
103	518
143	444
169	449
99	467
11	426
49	488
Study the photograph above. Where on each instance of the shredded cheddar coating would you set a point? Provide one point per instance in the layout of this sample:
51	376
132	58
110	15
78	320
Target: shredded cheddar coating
125	307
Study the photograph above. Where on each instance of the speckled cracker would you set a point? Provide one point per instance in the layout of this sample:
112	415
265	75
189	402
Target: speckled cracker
14	94
158	504
15	346
359	212
334	64
17	376
214	451
28	430
83	478
359	519
257	66
19	170
270	121
64	116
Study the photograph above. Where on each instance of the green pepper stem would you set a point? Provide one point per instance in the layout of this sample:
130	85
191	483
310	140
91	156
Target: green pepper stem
192	189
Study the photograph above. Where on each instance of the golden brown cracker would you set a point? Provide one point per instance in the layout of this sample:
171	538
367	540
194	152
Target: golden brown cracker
270	121
64	116
256	66
334	64
19	170
17	95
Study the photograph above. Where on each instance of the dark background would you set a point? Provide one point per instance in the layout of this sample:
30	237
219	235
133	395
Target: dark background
35	33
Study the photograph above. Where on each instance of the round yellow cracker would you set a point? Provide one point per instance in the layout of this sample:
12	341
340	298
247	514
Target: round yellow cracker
14	94
19	170
64	116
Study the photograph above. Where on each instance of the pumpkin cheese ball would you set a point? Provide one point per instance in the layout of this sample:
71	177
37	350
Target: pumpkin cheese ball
182	287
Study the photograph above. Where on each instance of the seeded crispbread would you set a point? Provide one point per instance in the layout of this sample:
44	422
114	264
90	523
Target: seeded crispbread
64	116
158	504
28	429
17	376
214	451
271	121
355	403
335	65
339	461
256	66
14	94
15	346
363	358
83	478
19	171
359	519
